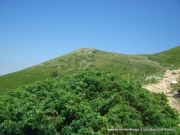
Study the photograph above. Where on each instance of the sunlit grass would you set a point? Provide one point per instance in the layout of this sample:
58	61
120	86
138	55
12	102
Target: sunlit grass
137	67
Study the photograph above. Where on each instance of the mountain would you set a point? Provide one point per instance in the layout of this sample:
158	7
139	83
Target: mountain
131	66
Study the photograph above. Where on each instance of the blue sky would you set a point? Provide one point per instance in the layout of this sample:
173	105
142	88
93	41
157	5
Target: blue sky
34	31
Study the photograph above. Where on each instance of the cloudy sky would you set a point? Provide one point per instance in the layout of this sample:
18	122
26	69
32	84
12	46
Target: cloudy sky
34	31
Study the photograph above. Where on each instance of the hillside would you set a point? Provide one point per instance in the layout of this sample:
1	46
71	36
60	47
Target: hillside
130	66
169	58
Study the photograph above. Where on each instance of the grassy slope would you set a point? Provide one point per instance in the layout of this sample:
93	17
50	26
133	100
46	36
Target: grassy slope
169	58
137	66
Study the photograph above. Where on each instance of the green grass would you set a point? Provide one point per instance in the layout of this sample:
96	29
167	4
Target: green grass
169	58
137	67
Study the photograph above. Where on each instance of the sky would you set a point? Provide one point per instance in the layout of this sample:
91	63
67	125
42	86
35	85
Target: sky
34	31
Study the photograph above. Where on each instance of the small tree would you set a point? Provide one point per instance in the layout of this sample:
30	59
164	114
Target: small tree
54	74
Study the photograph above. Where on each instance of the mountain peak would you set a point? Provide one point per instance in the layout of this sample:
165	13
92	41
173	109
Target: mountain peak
82	51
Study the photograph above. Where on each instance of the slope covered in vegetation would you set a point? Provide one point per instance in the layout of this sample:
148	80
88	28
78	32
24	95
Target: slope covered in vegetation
85	103
129	65
169	58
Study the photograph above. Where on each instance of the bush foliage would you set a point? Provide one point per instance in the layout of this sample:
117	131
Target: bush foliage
85	103
54	74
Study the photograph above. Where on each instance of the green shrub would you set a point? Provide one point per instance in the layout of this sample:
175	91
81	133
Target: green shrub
85	103
54	74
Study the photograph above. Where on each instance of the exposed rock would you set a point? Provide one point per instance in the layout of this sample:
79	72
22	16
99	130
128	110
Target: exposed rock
174	82
167	71
173	73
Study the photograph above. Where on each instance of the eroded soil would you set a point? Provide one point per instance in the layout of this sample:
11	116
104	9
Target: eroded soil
164	86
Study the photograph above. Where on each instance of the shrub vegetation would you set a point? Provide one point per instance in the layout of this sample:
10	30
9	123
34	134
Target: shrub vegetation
54	74
85	103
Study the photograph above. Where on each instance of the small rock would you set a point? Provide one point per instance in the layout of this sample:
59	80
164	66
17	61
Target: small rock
174	82
167	70
174	73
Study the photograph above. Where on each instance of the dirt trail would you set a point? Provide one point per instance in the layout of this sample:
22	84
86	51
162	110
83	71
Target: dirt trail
164	86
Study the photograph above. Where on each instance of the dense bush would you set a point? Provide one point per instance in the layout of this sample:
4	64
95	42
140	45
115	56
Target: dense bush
54	74
85	103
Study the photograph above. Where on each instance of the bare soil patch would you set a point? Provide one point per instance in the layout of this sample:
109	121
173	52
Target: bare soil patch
164	86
